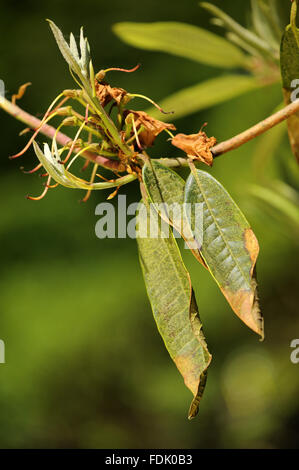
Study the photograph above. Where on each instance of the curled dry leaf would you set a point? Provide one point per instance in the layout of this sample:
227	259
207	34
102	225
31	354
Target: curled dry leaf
197	146
106	93
151	127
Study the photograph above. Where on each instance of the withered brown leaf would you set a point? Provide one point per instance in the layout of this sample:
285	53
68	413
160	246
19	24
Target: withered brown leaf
152	127
197	146
105	93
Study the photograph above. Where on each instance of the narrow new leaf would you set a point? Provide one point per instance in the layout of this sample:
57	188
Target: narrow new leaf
51	163
173	303
183	40
165	189
229	247
205	94
65	49
80	66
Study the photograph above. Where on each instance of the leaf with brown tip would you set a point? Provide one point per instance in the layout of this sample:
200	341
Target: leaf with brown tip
229	246
173	302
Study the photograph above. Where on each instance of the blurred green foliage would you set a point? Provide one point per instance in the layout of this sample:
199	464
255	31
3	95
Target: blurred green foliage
85	366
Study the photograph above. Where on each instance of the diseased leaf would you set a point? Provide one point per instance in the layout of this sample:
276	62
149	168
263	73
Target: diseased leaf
197	146
183	40
204	95
150	127
165	189
289	62
289	58
229	246
173	304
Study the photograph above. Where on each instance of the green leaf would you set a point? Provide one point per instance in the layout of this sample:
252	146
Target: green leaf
173	304
282	198
289	63
229	247
165	189
183	40
80	66
289	58
205	94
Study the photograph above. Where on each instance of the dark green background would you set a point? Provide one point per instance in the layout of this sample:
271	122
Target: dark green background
85	366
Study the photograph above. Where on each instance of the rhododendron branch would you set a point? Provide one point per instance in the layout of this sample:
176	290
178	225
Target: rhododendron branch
217	150
50	132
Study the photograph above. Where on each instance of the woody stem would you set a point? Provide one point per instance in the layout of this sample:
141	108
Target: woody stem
217	150
49	131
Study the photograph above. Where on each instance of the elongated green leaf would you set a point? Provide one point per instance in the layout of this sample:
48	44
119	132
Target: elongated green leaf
165	189
282	198
289	58
183	40
290	79
229	247
173	304
205	94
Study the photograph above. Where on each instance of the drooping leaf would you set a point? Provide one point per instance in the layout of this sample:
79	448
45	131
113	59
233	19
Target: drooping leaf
183	40
173	303
229	246
165	189
204	95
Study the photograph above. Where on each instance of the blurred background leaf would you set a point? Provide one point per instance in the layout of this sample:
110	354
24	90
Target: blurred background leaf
183	40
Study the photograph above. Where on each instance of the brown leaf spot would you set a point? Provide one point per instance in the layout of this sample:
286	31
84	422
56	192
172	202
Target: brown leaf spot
189	373
196	146
252	246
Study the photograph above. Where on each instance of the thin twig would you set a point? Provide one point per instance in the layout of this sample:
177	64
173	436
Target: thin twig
255	131
50	131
